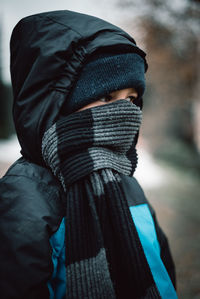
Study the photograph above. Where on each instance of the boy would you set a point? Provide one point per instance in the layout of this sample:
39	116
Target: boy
74	222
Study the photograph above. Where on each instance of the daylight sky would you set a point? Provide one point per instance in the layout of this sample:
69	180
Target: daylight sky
11	11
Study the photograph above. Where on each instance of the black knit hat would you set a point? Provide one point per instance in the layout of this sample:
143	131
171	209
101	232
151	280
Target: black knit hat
104	74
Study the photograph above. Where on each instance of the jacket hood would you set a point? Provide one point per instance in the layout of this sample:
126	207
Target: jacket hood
48	51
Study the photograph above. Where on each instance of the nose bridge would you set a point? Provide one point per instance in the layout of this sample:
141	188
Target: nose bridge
121	94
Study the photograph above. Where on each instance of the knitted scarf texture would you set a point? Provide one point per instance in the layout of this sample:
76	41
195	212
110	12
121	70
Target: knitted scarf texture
88	151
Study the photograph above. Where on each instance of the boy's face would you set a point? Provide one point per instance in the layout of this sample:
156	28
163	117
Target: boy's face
128	94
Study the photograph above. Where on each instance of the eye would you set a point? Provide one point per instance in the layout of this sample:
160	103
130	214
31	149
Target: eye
131	99
106	98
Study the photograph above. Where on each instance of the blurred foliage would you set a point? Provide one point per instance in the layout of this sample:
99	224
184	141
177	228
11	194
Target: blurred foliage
181	154
6	122
170	34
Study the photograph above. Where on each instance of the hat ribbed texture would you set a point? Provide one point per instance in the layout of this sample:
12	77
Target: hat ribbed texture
104	74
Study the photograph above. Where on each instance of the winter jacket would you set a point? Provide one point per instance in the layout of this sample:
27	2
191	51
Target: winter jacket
47	53
32	251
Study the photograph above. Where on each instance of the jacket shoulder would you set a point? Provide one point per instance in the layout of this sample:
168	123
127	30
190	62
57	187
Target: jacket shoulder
30	170
29	187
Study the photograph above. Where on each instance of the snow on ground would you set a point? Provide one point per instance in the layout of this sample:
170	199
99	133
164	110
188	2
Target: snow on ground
9	150
148	172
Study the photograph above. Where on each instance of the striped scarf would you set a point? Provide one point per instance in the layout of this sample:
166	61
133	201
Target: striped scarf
87	151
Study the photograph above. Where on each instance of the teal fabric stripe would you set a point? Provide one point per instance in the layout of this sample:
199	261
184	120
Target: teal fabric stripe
57	283
146	230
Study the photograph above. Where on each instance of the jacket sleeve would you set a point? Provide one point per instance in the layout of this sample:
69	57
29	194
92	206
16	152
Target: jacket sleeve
29	215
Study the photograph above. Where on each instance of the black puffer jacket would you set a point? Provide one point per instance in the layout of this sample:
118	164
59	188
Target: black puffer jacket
47	52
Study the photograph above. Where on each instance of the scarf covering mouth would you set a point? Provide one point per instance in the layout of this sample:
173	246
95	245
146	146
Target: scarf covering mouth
87	151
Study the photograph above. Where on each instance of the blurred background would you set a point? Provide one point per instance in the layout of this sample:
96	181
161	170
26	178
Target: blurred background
169	143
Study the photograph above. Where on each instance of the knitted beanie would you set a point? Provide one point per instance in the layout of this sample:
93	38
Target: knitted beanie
103	74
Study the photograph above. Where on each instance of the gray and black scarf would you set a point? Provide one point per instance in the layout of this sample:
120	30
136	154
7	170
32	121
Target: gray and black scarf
88	151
